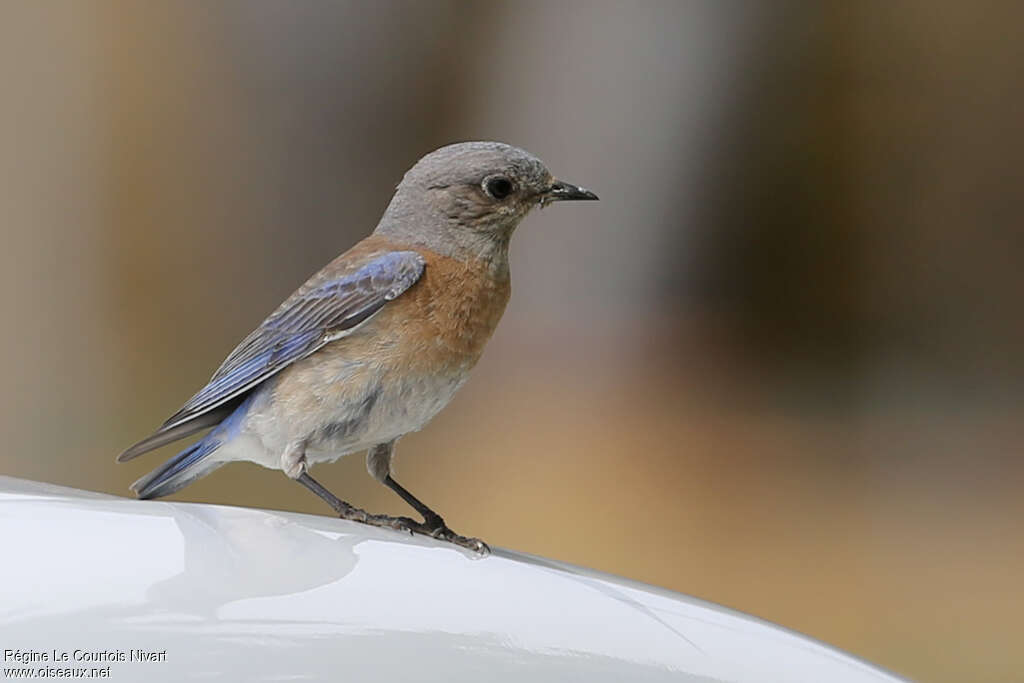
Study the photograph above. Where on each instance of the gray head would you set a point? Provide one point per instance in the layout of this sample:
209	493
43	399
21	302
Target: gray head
468	198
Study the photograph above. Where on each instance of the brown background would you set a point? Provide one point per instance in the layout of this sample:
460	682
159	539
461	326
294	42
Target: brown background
779	366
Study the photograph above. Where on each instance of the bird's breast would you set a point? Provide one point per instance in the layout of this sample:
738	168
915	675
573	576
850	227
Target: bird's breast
452	311
426	341
398	370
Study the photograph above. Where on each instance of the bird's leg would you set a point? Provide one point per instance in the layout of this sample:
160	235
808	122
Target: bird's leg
433	524
378	464
293	463
346	511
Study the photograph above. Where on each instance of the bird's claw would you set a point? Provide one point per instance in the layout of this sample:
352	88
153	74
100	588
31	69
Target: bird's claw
403	524
384	521
433	527
474	544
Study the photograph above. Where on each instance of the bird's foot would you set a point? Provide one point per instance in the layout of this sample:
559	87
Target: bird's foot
474	544
434	526
384	521
403	524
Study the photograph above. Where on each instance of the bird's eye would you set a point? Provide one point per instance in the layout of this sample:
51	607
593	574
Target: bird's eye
498	187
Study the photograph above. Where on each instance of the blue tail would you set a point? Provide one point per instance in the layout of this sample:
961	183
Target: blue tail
193	462
179	471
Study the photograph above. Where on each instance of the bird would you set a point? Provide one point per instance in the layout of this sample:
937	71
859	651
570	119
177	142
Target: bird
375	344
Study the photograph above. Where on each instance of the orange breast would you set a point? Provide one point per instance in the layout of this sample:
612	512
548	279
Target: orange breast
445	318
452	311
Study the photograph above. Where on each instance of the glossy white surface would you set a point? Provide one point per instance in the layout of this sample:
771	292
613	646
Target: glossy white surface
251	595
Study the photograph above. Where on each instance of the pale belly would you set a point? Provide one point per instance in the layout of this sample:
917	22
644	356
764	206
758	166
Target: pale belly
339	407
400	408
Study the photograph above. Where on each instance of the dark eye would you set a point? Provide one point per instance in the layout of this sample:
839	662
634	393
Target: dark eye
498	187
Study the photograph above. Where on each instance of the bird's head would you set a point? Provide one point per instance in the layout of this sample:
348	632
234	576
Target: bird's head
471	194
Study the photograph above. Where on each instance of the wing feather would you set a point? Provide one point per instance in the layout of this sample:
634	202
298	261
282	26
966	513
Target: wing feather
308	320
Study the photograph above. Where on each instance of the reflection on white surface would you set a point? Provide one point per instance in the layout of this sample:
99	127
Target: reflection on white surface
256	595
559	613
68	562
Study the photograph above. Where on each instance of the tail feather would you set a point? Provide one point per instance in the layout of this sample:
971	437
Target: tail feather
179	471
163	437
194	461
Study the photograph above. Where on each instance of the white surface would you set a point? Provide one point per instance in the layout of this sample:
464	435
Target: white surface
251	595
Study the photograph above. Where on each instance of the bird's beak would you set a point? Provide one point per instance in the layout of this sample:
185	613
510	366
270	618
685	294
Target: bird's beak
563	191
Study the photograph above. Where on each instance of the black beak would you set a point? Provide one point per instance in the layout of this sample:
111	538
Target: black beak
561	190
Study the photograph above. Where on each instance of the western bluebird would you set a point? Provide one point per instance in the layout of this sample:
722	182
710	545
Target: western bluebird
375	344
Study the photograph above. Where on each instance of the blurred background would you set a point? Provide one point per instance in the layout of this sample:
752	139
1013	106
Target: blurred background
779	366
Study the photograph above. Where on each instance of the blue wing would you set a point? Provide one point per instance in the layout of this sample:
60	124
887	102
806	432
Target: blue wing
311	318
